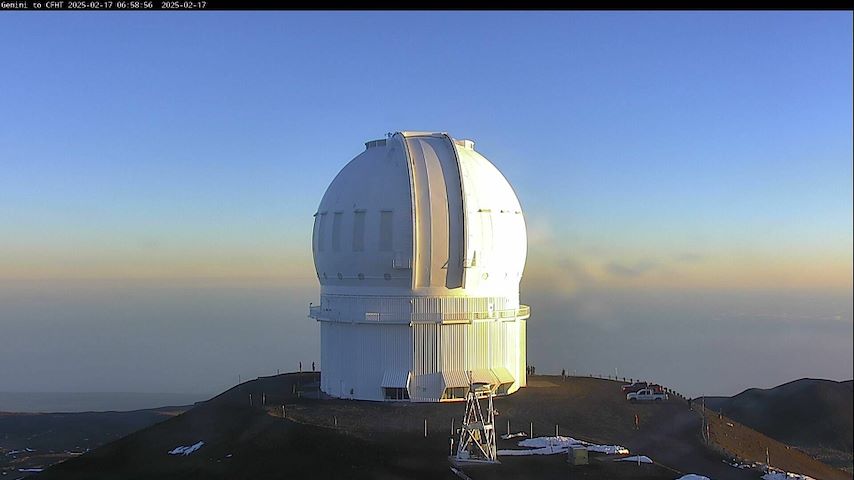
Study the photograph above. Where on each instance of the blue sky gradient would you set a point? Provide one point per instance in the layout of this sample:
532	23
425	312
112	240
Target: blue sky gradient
709	151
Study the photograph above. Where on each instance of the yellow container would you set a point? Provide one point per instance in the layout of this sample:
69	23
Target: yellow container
578	456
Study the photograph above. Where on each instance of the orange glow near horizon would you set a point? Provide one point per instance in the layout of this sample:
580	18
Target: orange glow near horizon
547	269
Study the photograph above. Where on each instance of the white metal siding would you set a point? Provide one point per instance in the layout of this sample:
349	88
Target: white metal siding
356	356
454	346
425	340
522	377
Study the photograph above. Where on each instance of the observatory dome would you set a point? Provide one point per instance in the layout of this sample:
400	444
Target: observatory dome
419	245
420	212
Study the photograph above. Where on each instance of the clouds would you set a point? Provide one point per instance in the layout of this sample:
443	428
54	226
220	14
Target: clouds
646	266
195	336
566	260
735	339
632	270
690	257
565	264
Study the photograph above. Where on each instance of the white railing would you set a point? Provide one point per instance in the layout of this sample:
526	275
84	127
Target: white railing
523	312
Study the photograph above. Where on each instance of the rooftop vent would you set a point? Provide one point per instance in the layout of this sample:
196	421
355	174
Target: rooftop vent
467	144
375	143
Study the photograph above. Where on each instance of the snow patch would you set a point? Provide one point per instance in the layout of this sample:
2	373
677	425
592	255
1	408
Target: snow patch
508	436
780	475
636	459
540	442
608	449
742	466
30	470
15	452
560	444
693	476
186	450
533	451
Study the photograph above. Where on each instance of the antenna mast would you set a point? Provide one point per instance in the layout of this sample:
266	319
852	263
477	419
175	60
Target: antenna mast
477	435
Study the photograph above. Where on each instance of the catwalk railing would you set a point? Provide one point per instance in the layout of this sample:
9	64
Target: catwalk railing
523	312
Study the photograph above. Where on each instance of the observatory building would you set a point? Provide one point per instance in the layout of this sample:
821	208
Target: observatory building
419	245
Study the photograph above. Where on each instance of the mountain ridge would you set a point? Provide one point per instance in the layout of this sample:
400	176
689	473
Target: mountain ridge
812	414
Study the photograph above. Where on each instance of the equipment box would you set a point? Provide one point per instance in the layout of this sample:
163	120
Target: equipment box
577	456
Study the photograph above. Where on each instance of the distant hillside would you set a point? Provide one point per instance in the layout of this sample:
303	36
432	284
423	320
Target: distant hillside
53	402
37	440
811	414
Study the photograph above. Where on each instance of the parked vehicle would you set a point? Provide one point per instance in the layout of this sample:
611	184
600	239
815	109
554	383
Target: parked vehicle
646	395
634	387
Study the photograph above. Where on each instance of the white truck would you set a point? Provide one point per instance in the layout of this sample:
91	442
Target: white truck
646	395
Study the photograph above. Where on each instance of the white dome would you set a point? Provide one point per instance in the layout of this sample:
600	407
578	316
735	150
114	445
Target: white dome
420	214
419	245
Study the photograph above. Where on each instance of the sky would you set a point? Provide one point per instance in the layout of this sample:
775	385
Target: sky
686	180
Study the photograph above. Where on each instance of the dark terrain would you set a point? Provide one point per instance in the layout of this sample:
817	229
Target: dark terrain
810	414
246	435
37	440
